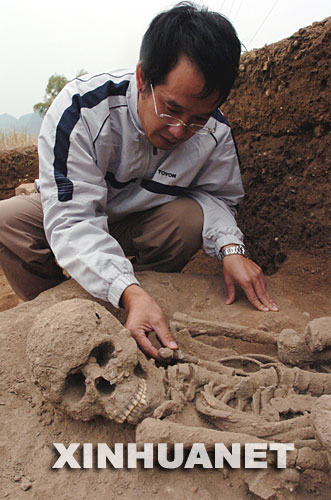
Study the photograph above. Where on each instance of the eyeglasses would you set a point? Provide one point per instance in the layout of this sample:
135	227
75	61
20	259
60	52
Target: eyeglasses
171	121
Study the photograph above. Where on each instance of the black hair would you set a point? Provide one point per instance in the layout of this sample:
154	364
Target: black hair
206	38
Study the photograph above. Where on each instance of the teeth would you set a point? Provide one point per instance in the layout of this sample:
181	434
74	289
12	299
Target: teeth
127	412
135	407
137	403
140	391
120	420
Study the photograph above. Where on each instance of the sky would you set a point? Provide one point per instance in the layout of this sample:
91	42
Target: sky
39	38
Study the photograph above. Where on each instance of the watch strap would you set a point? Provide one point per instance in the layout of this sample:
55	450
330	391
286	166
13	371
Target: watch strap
233	250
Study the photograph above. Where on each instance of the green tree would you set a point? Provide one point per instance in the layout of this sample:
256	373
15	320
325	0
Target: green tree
54	86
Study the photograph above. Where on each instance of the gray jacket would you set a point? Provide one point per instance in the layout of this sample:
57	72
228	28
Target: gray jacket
97	164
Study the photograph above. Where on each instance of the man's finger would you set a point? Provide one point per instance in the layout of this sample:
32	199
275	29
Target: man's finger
254	300
145	345
231	289
164	335
264	297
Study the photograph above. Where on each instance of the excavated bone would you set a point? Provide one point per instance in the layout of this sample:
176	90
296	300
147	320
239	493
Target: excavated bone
230	419
185	355
318	334
193	351
316	384
193	346
157	431
312	459
200	327
321	422
294	350
255	404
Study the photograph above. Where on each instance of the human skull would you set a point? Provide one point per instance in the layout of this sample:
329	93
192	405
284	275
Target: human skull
87	364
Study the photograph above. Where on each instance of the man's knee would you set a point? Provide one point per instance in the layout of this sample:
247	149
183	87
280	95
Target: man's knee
165	238
21	225
7	218
5	212
20	209
186	218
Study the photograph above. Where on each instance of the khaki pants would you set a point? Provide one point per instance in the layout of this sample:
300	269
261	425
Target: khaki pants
160	239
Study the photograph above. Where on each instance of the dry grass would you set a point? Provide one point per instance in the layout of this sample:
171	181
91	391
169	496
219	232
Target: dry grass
16	139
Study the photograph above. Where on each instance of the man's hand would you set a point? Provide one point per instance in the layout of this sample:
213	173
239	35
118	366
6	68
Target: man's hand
145	316
249	276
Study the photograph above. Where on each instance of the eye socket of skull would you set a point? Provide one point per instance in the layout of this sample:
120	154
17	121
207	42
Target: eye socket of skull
74	388
103	352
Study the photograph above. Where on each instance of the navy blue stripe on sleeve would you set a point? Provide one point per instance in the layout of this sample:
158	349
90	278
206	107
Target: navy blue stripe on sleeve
66	125
110	177
157	187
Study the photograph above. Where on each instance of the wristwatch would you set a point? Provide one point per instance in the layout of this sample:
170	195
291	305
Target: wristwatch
233	250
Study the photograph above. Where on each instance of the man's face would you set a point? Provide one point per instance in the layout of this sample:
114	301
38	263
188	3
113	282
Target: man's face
176	97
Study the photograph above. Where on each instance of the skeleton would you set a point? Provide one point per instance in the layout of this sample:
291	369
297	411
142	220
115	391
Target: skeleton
89	365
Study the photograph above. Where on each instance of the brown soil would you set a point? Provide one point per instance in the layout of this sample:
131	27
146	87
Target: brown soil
279	113
17	166
29	426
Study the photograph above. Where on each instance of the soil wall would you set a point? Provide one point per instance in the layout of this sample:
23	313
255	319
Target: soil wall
17	166
279	110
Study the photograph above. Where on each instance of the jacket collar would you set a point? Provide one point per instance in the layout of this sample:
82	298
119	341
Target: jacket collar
132	98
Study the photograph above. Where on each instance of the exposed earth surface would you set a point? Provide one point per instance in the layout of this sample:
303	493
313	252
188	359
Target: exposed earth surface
279	112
